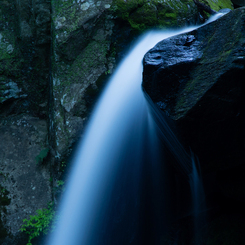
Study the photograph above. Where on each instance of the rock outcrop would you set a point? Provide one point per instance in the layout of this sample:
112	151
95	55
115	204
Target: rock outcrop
197	79
24	72
145	14
81	57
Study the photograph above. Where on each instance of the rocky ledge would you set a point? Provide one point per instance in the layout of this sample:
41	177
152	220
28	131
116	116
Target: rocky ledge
197	79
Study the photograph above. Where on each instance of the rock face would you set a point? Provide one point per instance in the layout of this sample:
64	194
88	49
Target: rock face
25	185
144	14
24	77
81	47
24	51
197	79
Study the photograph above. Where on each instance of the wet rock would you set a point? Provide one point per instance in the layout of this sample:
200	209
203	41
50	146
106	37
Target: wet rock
10	90
25	182
198	77
89	36
143	15
82	59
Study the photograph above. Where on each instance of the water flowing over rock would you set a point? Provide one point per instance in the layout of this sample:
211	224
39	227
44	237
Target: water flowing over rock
197	79
55	57
88	39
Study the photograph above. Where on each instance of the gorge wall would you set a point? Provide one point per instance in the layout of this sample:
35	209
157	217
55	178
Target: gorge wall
54	60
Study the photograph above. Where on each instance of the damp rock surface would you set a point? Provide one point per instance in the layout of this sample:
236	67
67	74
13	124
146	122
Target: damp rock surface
197	78
24	181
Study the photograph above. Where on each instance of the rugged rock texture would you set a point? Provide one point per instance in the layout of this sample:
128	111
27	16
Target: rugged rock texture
145	14
82	37
24	72
24	51
25	185
197	78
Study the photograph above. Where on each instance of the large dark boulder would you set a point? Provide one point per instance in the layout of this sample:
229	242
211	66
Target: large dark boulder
197	79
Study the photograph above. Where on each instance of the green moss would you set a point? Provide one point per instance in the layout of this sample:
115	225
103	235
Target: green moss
143	17
60	7
43	154
92	57
218	4
171	15
145	14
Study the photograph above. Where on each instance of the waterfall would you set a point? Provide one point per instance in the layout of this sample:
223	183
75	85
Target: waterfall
115	176
198	199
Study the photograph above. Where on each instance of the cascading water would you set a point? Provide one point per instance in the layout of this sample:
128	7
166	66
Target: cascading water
198	199
112	195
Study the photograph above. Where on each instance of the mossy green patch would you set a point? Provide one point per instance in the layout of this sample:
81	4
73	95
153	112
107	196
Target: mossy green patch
42	155
61	6
64	12
91	59
145	14
218	4
38	224
7	45
143	17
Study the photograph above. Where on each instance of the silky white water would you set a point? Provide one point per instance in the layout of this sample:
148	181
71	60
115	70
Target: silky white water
119	120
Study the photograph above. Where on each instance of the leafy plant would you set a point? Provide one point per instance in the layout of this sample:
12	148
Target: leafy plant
39	224
60	182
107	72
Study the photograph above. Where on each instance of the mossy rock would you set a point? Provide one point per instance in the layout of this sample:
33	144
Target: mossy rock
42	155
145	14
218	4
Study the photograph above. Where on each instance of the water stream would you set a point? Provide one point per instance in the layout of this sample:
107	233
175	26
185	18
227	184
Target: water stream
115	193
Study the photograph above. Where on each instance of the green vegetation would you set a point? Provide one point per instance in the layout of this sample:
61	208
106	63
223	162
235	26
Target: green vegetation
92	58
218	4
145	14
43	154
38	224
44	221
63	166
60	182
